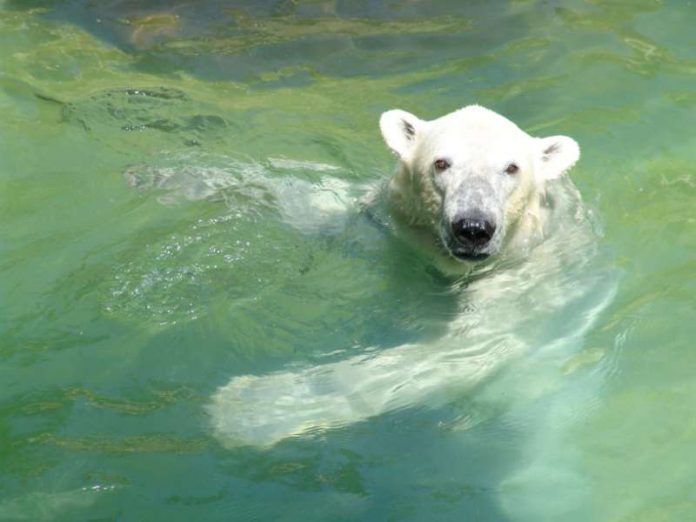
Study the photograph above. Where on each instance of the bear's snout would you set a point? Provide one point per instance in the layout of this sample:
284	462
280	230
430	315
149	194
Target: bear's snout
473	231
470	237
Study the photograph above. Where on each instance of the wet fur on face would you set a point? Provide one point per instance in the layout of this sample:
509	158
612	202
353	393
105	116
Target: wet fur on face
473	178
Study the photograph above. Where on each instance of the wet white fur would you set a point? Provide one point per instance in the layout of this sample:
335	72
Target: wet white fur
479	144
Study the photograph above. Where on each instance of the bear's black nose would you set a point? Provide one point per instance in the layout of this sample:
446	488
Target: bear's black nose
473	231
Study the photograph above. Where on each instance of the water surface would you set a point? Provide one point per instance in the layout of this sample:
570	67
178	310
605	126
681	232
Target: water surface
158	166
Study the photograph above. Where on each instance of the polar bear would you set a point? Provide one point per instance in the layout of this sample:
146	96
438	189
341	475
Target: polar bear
486	199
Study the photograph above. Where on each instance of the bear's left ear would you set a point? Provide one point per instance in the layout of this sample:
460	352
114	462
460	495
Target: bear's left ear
400	129
557	155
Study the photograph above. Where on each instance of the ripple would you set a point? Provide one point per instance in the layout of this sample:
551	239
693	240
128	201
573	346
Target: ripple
148	110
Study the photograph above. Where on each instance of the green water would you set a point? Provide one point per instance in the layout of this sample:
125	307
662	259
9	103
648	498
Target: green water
148	257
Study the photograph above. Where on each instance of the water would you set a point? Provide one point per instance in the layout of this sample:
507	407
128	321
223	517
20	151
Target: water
160	170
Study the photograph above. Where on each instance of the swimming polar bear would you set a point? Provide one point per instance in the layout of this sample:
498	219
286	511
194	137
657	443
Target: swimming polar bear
484	199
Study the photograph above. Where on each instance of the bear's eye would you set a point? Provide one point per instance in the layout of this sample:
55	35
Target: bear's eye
512	168
441	164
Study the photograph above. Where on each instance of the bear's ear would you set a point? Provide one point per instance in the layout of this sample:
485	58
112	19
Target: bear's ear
399	129
557	155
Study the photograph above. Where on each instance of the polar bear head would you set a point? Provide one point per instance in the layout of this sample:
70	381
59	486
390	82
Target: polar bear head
473	177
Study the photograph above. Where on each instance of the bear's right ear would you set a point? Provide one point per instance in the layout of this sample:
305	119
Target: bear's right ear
399	129
558	155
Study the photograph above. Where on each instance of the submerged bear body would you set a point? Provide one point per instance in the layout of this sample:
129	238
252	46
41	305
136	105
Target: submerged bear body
480	197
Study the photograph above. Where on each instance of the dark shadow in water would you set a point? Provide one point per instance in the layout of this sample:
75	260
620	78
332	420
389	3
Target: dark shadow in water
291	40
